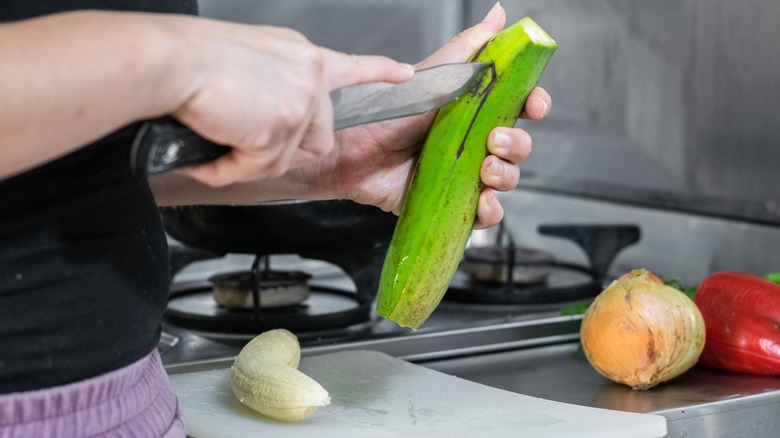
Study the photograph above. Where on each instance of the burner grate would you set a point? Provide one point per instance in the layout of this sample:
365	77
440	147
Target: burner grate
550	281
193	307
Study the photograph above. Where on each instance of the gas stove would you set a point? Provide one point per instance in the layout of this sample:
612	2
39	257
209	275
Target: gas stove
503	321
520	290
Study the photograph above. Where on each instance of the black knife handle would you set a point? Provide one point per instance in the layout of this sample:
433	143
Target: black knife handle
165	144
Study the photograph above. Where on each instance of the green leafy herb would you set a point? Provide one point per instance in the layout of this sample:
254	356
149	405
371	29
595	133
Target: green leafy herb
774	277
575	309
690	291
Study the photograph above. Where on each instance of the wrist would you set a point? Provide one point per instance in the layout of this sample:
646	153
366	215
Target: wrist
171	74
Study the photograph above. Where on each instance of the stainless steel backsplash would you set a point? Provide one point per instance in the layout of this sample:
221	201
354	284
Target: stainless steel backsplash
407	30
665	103
669	103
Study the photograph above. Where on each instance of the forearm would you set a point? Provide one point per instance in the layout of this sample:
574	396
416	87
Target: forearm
71	78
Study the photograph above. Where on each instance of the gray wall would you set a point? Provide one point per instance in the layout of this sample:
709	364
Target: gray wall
674	103
407	30
667	103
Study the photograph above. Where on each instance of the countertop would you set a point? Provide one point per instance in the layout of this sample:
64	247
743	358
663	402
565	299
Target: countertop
701	403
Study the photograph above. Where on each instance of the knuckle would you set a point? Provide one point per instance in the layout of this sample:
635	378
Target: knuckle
324	147
263	165
218	180
293	35
291	114
313	57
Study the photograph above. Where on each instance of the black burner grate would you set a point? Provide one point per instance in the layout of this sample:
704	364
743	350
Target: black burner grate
192	306
563	281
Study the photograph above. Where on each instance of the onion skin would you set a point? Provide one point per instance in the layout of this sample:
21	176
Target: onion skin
640	332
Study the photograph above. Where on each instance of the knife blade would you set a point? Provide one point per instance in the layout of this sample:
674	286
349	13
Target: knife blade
165	144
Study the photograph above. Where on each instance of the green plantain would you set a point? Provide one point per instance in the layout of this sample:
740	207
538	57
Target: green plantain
440	205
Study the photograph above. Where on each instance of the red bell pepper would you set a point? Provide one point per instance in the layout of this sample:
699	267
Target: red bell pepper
742	320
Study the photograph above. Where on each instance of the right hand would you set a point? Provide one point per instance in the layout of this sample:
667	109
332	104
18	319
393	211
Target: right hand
264	91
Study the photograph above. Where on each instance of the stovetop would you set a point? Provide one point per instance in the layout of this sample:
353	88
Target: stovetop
531	349
453	329
499	282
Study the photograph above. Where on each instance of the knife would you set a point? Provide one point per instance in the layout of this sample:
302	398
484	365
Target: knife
165	144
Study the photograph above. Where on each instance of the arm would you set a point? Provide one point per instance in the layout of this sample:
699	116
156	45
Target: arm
69	73
68	79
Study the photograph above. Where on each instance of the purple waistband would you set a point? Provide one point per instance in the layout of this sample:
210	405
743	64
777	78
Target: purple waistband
134	401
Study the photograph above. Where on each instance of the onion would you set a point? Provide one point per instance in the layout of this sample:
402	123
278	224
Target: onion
640	332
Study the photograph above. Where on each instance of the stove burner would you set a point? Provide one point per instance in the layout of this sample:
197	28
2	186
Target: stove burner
195	307
276	288
492	264
562	282
192	306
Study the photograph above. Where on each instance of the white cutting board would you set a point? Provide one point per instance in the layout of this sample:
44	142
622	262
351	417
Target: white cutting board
376	395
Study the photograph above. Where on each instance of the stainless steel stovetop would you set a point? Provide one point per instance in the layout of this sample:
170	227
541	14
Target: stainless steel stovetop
529	349
454	329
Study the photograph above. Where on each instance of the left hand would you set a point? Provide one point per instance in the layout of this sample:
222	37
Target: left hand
372	163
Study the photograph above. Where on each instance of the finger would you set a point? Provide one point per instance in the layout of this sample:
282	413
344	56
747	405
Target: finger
509	144
538	105
238	166
464	44
489	210
217	173
341	69
498	174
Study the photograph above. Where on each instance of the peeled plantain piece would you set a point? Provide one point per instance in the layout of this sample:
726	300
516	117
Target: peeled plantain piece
265	378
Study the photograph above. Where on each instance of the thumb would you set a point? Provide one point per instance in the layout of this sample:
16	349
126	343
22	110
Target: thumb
464	44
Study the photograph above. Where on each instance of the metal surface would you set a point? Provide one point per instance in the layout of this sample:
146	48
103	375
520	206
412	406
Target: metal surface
466	340
406	30
668	103
429	89
528	348
539	358
700	403
501	263
674	245
275	289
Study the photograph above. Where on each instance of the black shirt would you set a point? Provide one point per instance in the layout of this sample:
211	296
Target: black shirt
84	270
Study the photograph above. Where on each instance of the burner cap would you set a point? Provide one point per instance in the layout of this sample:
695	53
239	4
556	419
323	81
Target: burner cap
276	288
331	310
491	263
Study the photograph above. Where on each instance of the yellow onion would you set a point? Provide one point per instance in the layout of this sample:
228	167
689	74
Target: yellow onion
640	332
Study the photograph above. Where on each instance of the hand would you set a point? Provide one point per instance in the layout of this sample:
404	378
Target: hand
264	91
373	162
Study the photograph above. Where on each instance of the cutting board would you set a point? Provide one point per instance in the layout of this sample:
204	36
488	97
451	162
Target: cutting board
376	395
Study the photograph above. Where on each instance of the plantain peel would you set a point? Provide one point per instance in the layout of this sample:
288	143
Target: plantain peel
440	205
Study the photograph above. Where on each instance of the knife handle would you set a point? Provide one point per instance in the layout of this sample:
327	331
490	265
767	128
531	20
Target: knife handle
165	144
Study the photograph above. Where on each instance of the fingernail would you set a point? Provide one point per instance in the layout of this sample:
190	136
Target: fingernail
409	67
546	106
494	167
501	140
491	197
493	13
